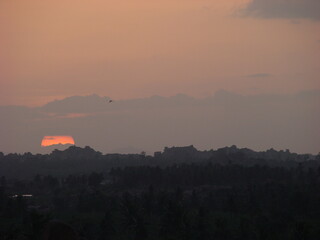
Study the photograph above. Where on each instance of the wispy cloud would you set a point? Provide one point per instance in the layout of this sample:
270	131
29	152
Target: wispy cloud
290	9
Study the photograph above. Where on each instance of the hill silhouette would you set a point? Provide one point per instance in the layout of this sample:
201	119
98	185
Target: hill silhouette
77	160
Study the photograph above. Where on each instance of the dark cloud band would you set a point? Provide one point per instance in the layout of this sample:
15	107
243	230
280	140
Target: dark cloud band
291	9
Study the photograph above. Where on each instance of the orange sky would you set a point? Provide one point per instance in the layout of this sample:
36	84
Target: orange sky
127	49
52	140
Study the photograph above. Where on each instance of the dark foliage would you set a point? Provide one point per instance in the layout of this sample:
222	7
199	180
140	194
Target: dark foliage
201	198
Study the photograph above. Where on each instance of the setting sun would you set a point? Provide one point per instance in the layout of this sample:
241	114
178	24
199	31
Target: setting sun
53	140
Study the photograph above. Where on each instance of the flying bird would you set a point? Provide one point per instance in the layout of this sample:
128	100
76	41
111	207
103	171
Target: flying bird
109	100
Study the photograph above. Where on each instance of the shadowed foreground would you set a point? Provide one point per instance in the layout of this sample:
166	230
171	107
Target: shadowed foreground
227	196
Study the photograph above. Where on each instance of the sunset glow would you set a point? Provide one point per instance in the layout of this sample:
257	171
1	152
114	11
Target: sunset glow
156	48
53	140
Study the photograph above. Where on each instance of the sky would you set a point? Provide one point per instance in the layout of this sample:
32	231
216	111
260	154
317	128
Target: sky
258	122
135	49
211	73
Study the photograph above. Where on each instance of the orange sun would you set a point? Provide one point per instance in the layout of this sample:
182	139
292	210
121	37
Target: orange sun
53	140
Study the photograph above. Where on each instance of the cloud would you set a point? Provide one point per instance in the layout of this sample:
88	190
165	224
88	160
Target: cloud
259	75
290	9
149	124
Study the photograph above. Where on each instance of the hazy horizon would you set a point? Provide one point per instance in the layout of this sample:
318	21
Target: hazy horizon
258	122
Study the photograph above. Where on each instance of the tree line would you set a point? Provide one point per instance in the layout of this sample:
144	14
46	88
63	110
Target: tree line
203	200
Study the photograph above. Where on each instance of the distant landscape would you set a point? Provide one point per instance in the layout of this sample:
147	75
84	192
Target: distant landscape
77	160
177	193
